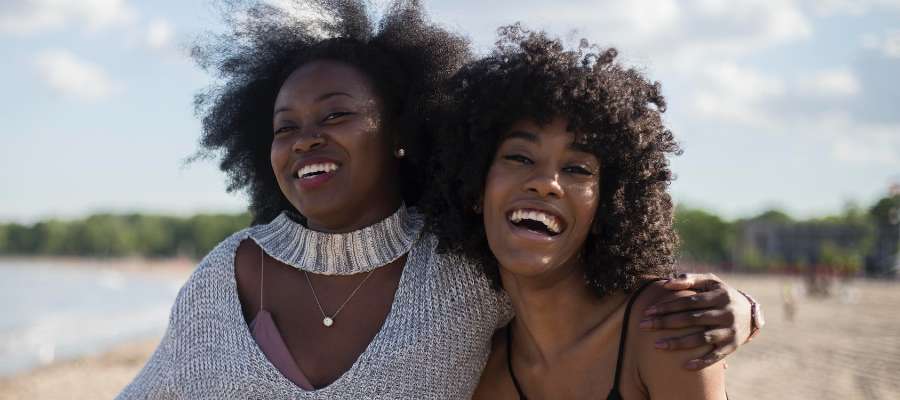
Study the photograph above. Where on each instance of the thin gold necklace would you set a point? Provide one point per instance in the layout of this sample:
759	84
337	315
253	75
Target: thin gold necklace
326	320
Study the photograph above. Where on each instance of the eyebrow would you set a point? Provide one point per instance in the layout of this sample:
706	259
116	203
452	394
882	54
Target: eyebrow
533	138
526	136
322	97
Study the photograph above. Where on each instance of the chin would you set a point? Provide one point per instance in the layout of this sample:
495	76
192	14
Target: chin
526	265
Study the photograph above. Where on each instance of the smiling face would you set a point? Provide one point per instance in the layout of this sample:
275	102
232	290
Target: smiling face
540	197
331	158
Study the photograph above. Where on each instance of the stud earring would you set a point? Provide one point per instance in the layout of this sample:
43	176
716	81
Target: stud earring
400	153
477	208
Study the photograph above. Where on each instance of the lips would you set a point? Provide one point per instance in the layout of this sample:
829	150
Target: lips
536	220
312	173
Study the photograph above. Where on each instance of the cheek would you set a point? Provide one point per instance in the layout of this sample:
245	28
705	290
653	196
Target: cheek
279	154
587	198
494	189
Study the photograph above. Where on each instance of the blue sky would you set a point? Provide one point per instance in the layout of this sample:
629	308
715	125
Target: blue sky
791	104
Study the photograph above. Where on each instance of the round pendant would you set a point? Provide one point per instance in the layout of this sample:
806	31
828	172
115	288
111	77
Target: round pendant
327	322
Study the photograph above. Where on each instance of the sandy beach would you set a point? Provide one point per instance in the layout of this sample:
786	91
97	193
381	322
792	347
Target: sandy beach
93	377
846	346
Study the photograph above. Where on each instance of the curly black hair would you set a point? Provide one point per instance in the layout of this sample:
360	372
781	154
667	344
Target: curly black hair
407	58
614	112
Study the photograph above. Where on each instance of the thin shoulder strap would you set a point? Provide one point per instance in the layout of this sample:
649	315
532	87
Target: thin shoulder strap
262	277
634	296
509	362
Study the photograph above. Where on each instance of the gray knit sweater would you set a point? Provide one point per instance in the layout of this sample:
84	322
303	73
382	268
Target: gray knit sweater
433	344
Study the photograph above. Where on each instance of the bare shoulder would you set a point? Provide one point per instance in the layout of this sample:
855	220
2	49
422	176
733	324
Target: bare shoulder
661	373
495	382
643	341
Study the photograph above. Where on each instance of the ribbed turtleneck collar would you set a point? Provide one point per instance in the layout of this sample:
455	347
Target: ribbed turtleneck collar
339	253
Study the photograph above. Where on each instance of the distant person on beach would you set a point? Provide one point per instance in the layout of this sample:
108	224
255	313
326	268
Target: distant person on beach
336	291
789	301
560	159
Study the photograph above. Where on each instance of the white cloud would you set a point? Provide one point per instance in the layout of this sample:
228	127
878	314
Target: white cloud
159	34
850	7
862	143
25	17
888	44
735	93
831	83
65	73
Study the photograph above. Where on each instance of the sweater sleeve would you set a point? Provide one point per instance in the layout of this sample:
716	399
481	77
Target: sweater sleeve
154	380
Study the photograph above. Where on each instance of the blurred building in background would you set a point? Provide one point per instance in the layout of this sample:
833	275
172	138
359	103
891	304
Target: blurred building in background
851	244
884	258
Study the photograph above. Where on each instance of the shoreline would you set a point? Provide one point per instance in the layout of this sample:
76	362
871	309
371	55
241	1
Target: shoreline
177	267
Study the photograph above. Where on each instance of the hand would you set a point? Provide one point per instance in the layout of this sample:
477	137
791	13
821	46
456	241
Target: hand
724	311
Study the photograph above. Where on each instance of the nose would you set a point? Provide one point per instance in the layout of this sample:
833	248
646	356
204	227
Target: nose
545	183
308	141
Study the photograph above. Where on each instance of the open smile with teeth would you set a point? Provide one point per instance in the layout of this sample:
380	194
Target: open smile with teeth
313	170
537	221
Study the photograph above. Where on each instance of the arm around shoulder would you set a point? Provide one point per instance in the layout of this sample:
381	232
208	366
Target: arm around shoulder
661	372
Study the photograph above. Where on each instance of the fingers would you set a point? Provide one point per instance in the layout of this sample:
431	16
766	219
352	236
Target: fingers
698	282
710	358
717	318
718	337
700	301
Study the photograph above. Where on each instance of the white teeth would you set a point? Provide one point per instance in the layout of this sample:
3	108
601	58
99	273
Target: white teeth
312	168
550	221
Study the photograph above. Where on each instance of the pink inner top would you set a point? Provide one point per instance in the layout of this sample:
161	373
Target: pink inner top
269	339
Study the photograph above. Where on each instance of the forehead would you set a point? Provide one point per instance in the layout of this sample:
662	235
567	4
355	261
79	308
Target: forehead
553	134
315	78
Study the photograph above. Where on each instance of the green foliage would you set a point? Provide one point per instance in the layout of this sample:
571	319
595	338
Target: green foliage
705	238
4	238
773	241
887	210
845	260
754	260
775	216
108	235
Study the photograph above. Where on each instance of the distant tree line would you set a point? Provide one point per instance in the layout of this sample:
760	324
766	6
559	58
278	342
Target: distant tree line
853	241
116	235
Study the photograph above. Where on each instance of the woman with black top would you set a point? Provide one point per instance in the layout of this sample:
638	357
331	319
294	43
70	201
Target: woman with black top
561	194
324	121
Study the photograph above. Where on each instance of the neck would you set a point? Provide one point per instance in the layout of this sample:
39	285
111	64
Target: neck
369	213
553	313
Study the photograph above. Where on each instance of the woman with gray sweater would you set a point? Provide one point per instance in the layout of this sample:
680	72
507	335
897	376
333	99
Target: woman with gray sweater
321	118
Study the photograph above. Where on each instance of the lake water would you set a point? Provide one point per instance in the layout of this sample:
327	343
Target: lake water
53	312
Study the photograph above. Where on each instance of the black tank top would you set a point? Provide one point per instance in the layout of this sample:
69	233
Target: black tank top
614	393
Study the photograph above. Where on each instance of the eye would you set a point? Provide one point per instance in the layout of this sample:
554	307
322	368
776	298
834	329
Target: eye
284	129
578	169
335	115
518	158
